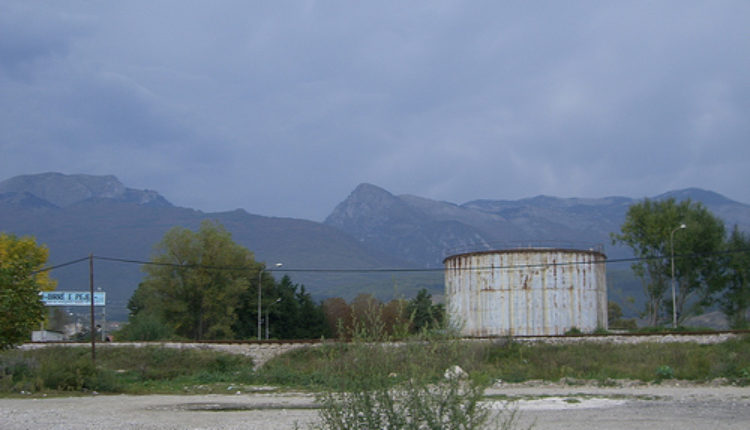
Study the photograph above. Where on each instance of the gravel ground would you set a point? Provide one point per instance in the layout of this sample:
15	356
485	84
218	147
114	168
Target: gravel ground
671	405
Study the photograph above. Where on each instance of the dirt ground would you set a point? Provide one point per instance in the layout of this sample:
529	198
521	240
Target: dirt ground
672	405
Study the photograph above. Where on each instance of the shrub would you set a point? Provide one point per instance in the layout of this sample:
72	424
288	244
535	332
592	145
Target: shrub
118	369
624	324
448	404
145	327
403	387
664	372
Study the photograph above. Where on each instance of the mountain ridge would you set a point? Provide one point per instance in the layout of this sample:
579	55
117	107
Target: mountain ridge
119	226
486	224
370	229
64	190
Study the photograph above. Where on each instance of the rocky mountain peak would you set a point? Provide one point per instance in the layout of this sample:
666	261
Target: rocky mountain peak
65	190
366	207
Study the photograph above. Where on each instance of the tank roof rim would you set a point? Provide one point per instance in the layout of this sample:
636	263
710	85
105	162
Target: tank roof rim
526	250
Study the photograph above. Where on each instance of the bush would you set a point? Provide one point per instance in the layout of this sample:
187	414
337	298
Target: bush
55	369
664	372
119	369
624	324
16	372
448	404
155	363
74	373
406	387
145	327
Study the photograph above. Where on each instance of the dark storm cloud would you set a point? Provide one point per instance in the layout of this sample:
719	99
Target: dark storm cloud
283	108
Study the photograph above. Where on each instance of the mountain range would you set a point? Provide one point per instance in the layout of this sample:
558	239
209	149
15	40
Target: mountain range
368	232
424	231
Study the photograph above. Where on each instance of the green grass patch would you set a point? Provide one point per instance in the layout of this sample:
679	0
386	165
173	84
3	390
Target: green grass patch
337	365
343	367
119	370
602	361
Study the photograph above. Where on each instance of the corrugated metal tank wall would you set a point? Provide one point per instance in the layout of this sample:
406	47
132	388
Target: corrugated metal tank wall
526	292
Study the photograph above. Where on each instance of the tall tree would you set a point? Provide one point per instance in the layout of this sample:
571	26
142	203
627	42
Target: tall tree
650	229
424	314
734	299
310	319
291	313
246	325
195	282
21	281
280	307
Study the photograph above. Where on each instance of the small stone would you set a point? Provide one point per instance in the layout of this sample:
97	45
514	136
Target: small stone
455	372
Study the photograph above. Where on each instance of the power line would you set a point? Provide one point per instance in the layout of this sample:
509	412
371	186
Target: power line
386	270
69	263
184	266
269	269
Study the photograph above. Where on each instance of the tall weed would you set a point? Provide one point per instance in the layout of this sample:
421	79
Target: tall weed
404	385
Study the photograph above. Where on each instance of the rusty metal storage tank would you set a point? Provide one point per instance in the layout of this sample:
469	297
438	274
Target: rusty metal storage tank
530	291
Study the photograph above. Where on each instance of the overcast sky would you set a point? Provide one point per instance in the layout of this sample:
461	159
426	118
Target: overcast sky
283	107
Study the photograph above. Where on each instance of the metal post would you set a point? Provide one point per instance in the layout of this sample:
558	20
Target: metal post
104	322
93	326
260	275
674	295
268	318
260	308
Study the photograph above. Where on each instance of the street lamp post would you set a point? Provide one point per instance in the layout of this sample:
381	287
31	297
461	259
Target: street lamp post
268	319
674	296
260	296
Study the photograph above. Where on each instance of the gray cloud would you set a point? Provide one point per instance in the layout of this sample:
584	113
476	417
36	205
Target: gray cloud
283	109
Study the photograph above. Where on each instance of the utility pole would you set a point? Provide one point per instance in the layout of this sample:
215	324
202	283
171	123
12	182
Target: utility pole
674	296
91	294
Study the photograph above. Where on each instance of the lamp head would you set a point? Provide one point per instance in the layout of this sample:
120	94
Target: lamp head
683	226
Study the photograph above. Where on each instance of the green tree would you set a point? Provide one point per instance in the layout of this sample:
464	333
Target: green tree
21	281
614	313
292	313
734	299
195	282
647	230
311	322
280	308
145	326
246	324
424	314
